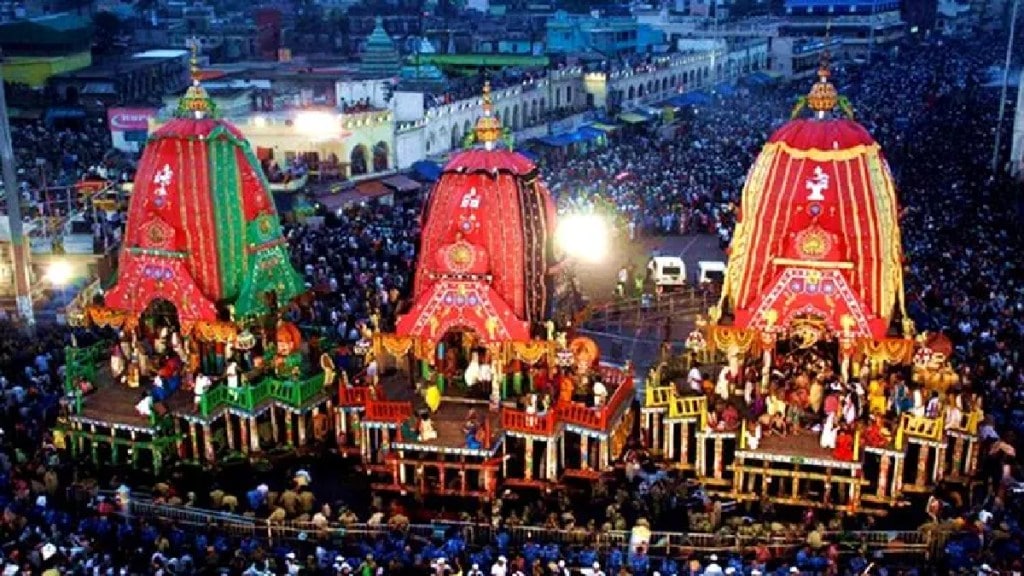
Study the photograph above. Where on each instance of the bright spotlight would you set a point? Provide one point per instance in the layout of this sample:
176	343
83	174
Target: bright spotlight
583	237
58	272
317	125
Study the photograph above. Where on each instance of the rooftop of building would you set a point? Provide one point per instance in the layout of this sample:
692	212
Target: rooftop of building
162	53
53	29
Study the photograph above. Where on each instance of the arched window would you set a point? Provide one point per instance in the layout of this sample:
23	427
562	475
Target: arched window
358	161
381	156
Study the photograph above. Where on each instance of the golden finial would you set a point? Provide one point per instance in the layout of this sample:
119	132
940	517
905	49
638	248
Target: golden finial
823	96
196	102
488	128
193	61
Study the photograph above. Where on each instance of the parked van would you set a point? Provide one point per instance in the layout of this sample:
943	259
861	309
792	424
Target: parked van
668	272
710	271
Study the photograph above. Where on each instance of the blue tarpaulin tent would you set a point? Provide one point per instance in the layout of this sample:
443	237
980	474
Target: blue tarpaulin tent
759	78
427	170
697	98
557	140
583	134
528	154
725	89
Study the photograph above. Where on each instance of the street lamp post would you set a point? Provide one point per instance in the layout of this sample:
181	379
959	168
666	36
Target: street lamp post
19	248
1006	81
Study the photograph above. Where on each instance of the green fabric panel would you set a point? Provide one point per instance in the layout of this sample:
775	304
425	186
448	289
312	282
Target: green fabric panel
269	269
228	215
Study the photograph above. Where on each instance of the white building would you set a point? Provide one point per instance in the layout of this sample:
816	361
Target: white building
393	129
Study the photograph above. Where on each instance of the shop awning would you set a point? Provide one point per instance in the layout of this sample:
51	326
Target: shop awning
633	118
695	98
99	88
336	201
604	127
529	155
557	141
590	133
427	170
372	189
402	183
24	113
725	89
761	78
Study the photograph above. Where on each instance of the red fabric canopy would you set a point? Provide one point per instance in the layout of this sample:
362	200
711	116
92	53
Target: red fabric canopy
819	202
482	160
508	219
465	304
144	278
812	292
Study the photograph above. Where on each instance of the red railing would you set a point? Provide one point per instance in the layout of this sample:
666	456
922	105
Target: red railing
353	395
519	421
598	419
614	376
623	395
582	415
387	411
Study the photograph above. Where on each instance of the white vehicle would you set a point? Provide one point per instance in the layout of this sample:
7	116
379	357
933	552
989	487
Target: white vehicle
709	271
668	272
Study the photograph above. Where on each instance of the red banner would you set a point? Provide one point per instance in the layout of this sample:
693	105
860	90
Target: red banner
129	119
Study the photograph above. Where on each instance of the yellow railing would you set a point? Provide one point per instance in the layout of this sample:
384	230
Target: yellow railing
659	396
969	422
921	427
689	407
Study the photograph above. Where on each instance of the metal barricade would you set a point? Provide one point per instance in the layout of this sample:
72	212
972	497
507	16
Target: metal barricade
477	535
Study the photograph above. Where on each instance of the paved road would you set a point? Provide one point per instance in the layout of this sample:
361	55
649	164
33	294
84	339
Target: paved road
597	280
641	341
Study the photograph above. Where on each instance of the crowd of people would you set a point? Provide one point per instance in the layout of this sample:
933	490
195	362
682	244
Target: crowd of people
360	263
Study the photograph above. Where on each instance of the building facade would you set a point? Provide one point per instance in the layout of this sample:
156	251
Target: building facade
607	35
368	140
800	57
864	25
35	50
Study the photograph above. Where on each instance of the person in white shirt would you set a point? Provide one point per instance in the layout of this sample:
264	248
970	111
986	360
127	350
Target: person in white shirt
600	394
829	432
472	373
918	409
723	387
932	408
753	434
486	374
372	371
500	568
713	568
695	379
231	375
202	384
144	407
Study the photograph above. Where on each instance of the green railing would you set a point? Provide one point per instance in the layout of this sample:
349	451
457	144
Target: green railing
213	399
81	363
249	396
298	392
